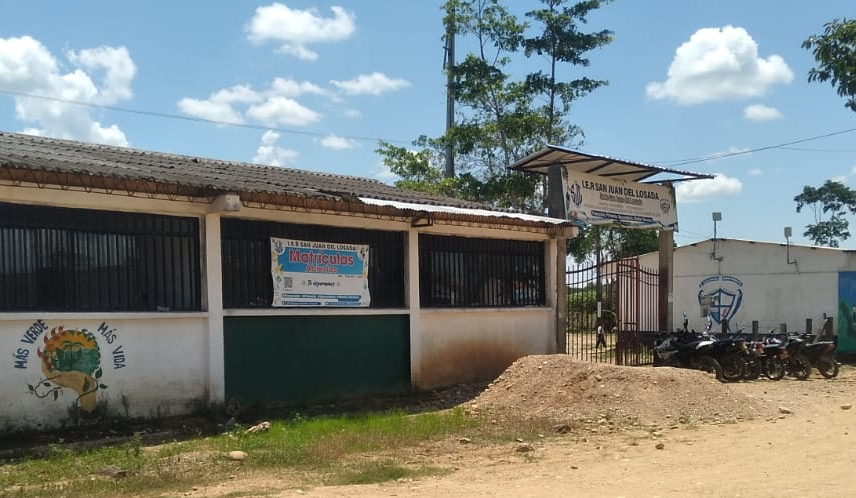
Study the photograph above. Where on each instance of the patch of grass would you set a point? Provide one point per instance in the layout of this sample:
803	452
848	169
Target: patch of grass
314	441
311	445
78	474
510	427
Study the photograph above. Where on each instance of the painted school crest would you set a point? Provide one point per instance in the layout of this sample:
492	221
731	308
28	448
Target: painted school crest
722	295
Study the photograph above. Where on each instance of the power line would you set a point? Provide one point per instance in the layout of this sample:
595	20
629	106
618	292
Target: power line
693	160
692	234
194	118
806	149
674	162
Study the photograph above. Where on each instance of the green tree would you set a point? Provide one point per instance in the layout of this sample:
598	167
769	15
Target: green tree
500	118
829	204
615	243
835	53
415	170
560	41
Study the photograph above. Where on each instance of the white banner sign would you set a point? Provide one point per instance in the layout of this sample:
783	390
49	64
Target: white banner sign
601	200
307	273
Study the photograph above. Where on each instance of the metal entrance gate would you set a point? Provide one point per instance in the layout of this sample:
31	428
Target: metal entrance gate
629	300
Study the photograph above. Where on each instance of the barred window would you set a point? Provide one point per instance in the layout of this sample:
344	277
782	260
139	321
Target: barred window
63	259
246	257
471	272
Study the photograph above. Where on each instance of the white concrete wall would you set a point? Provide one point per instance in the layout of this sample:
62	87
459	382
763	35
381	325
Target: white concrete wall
453	346
461	346
151	366
174	362
774	291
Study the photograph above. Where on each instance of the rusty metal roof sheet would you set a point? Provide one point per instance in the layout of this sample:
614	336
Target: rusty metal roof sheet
208	177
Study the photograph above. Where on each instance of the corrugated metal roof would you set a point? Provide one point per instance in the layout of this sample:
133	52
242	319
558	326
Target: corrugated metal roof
211	176
539	162
455	210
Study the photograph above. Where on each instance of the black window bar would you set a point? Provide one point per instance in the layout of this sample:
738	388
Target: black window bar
246	255
475	272
64	259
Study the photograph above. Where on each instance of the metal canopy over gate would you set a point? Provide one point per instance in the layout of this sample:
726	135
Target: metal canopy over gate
630	300
582	162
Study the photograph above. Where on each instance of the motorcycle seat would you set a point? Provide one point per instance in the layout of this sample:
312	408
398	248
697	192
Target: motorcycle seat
686	346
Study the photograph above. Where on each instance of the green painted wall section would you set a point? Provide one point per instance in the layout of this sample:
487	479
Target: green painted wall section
847	312
295	360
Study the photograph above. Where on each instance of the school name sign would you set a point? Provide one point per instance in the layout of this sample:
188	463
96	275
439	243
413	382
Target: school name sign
310	273
599	200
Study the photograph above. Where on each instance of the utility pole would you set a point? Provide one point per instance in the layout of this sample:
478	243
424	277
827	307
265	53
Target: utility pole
449	65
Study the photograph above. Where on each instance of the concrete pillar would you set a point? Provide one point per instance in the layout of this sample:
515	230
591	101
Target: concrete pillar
561	295
666	268
214	301
412	297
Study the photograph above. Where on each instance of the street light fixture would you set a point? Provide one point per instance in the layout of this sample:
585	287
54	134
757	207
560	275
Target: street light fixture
717	216
788	234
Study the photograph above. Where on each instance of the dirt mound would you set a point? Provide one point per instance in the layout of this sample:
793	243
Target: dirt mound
559	388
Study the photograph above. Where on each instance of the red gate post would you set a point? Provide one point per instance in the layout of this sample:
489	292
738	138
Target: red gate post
638	277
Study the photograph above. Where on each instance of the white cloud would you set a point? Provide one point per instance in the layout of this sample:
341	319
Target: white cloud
732	151
385	175
372	84
718	64
219	105
758	112
282	110
704	190
845	178
294	29
118	67
272	106
352	113
210	110
337	142
237	94
270	154
102	76
755	172
290	88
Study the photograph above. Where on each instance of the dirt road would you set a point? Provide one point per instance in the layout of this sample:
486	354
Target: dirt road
806	449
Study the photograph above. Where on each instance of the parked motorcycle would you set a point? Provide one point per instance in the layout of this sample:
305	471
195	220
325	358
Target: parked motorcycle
773	360
821	354
797	363
686	352
731	354
729	351
754	359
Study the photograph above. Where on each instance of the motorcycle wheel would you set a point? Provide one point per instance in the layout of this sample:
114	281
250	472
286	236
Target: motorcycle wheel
800	367
827	366
708	364
774	368
753	367
733	367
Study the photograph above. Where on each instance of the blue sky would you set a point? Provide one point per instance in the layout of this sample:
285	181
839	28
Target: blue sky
317	83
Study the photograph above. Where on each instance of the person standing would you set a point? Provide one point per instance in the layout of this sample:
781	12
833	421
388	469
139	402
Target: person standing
601	335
